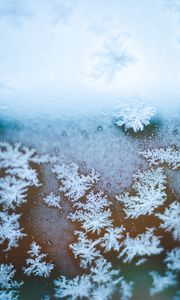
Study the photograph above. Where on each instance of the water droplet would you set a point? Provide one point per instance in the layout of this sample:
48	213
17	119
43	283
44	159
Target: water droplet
99	128
175	131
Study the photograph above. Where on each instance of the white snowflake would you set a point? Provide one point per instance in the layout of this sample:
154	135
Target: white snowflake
150	189
162	282
8	286
169	155
74	183
36	264
103	273
52	200
8	295
171	219
77	288
102	292
92	213
144	244
173	259
7	281
10	229
134	115
85	249
126	290
27	174
111	239
13	192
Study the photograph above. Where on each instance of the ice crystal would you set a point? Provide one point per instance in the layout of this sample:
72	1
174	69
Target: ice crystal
77	288
85	249
111	239
173	259
52	200
162	282
74	184
144	244
92	213
102	292
36	264
8	295
168	155
141	261
134	115
7	281
150	189
126	290
8	286
103	273
171	219
13	192
10	229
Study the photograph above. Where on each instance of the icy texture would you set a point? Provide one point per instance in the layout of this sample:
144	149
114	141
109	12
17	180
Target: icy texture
75	184
111	239
103	273
36	264
126	290
171	218
134	115
144	244
8	285
150	189
76	288
13	192
173	259
52	200
93	214
10	229
85	249
168	155
160	283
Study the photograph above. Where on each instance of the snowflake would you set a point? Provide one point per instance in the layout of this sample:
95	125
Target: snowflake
36	265
8	295
111	59
161	282
77	288
13	192
126	290
7	273
150	188
74	183
52	200
92	213
134	115
9	229
173	259
111	238
27	174
8	285
168	155
171	219
102	292
85	249
103	273
143	244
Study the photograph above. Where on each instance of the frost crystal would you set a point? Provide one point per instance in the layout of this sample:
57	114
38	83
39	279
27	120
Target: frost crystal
10	229
171	219
85	249
13	192
144	244
92	213
36	265
161	282
168	155
110	240
134	115
75	184
76	288
52	200
126	290
173	259
103	292
103	273
8	286
150	188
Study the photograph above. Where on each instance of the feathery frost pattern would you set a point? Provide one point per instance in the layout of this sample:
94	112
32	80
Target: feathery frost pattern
8	286
173	259
162	282
53	201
